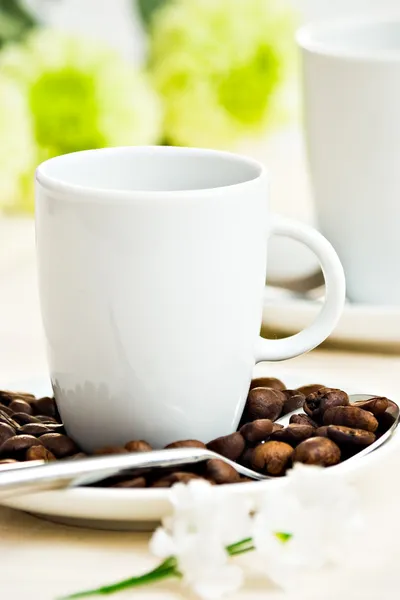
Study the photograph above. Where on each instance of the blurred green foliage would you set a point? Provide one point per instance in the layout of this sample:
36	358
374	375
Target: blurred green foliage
15	20
63	93
147	8
223	69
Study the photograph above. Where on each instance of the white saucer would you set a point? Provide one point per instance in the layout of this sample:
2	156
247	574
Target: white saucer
141	509
360	324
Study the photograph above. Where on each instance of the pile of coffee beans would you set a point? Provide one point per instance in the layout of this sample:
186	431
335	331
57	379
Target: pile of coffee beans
31	429
329	431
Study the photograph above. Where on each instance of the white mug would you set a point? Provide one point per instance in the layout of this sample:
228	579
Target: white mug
152	265
352	117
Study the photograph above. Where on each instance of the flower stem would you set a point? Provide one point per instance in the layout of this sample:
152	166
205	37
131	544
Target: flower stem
166	569
241	547
232	547
246	545
242	550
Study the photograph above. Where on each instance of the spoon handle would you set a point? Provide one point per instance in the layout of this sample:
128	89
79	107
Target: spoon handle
67	473
85	471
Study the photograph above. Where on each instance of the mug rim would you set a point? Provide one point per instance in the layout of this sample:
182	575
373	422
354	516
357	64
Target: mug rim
308	34
72	191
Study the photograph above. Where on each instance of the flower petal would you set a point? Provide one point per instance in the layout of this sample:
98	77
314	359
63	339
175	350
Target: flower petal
162	544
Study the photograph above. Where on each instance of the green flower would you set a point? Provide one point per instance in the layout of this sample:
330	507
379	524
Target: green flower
221	67
17	148
81	94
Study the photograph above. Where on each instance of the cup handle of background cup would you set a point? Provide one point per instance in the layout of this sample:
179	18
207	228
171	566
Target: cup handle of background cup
335	291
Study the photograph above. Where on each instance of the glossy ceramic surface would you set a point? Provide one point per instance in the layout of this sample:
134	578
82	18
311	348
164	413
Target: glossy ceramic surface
152	266
351	100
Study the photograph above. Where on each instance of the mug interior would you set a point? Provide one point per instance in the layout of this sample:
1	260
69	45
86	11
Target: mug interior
152	169
358	38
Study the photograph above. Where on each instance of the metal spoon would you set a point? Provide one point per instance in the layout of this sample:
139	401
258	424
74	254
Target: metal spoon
36	476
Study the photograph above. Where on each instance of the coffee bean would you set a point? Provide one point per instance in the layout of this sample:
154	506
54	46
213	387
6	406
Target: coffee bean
385	422
220	472
23	418
6	397
186	444
59	444
276	427
317	403
347	435
20	406
131	475
322	431
45	406
257	430
46	419
6	431
317	451
35	429
246	458
16	446
293	434
264	403
272	458
105	450
230	446
310	389
39	453
136	482
77	456
4	418
54	427
393	407
293	400
268	382
5	410
376	405
302	420
172	478
138	446
350	416
26	396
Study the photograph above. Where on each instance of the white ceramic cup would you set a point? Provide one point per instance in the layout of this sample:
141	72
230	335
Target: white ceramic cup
352	116
152	265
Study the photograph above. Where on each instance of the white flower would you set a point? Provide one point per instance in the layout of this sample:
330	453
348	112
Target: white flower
203	523
320	512
306	522
71	93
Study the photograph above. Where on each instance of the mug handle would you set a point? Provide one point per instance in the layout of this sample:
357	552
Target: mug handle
335	292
